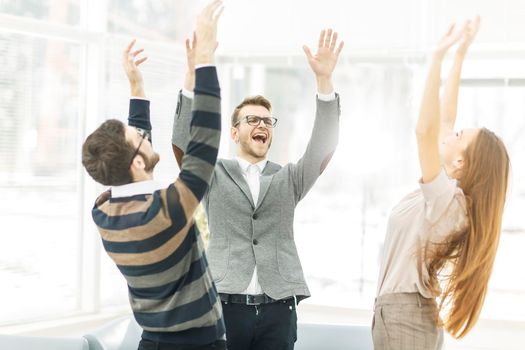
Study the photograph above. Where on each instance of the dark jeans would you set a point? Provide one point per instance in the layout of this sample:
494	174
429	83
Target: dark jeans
263	327
152	345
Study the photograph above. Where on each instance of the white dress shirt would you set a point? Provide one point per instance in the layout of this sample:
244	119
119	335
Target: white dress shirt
252	174
135	188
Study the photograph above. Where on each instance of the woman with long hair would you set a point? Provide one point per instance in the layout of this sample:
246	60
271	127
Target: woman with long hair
442	239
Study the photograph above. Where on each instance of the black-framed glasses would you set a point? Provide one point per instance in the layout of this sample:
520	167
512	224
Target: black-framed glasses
255	120
144	134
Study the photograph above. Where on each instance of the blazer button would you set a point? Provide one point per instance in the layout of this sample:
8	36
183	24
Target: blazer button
255	216
255	242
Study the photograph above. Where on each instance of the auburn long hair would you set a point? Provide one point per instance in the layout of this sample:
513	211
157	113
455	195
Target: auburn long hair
465	260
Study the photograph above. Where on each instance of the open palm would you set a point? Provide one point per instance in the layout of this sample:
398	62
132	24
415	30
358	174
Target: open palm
324	61
131	64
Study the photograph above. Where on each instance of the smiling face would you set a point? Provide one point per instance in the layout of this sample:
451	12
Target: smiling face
254	140
452	150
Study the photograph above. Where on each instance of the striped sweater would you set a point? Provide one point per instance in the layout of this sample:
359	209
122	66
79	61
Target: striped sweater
154	241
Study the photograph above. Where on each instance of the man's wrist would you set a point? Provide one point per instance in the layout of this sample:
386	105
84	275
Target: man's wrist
324	85
204	59
189	81
138	91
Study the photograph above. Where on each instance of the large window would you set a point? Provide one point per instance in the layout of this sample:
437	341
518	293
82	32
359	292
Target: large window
59	79
58	11
39	211
159	20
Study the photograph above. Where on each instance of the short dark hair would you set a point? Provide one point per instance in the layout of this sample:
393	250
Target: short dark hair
106	154
257	100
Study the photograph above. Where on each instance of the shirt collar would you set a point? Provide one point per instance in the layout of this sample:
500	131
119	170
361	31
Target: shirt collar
134	188
244	164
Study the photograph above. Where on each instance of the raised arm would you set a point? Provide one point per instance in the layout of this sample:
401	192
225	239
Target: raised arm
449	98
429	122
182	120
202	149
139	115
325	134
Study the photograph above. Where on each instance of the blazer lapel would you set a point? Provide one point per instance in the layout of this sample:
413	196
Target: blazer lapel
232	168
266	180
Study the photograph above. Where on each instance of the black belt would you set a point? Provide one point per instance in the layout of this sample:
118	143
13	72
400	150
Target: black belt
247	299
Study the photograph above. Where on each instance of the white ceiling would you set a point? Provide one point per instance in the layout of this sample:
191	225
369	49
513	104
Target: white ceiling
283	26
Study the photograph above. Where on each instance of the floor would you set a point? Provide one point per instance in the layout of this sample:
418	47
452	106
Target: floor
487	335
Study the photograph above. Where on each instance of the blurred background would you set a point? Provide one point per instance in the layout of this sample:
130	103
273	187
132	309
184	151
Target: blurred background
60	77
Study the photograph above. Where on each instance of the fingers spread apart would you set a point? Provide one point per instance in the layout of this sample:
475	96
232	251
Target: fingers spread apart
328	39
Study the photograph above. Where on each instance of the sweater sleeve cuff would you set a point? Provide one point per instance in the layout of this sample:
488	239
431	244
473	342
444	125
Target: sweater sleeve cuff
207	82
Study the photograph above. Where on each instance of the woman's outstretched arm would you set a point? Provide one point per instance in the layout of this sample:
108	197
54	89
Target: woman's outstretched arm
449	98
429	121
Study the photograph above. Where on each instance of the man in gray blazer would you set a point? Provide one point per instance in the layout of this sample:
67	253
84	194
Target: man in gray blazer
250	206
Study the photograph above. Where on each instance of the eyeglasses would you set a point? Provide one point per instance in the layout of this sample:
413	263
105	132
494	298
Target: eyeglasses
144	134
255	120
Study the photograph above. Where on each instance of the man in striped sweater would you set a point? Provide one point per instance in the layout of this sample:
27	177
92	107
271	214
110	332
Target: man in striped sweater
149	231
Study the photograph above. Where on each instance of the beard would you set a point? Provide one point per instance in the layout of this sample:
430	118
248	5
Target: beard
150	162
247	148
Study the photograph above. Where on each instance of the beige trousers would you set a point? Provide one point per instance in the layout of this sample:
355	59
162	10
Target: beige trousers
406	321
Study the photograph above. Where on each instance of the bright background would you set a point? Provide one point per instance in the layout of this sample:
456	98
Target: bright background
60	77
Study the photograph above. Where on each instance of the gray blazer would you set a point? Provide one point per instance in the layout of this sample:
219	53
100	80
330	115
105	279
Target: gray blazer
243	233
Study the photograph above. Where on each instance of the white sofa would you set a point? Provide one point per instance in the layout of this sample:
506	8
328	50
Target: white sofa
19	342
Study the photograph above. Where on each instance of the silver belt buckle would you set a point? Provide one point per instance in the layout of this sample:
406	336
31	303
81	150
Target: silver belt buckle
248	300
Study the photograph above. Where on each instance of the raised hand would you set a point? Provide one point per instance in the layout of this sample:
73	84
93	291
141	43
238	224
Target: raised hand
451	37
206	33
189	81
324	61
190	53
131	67
469	34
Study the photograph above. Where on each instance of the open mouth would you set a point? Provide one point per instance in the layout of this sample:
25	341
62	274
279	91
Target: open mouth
260	138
